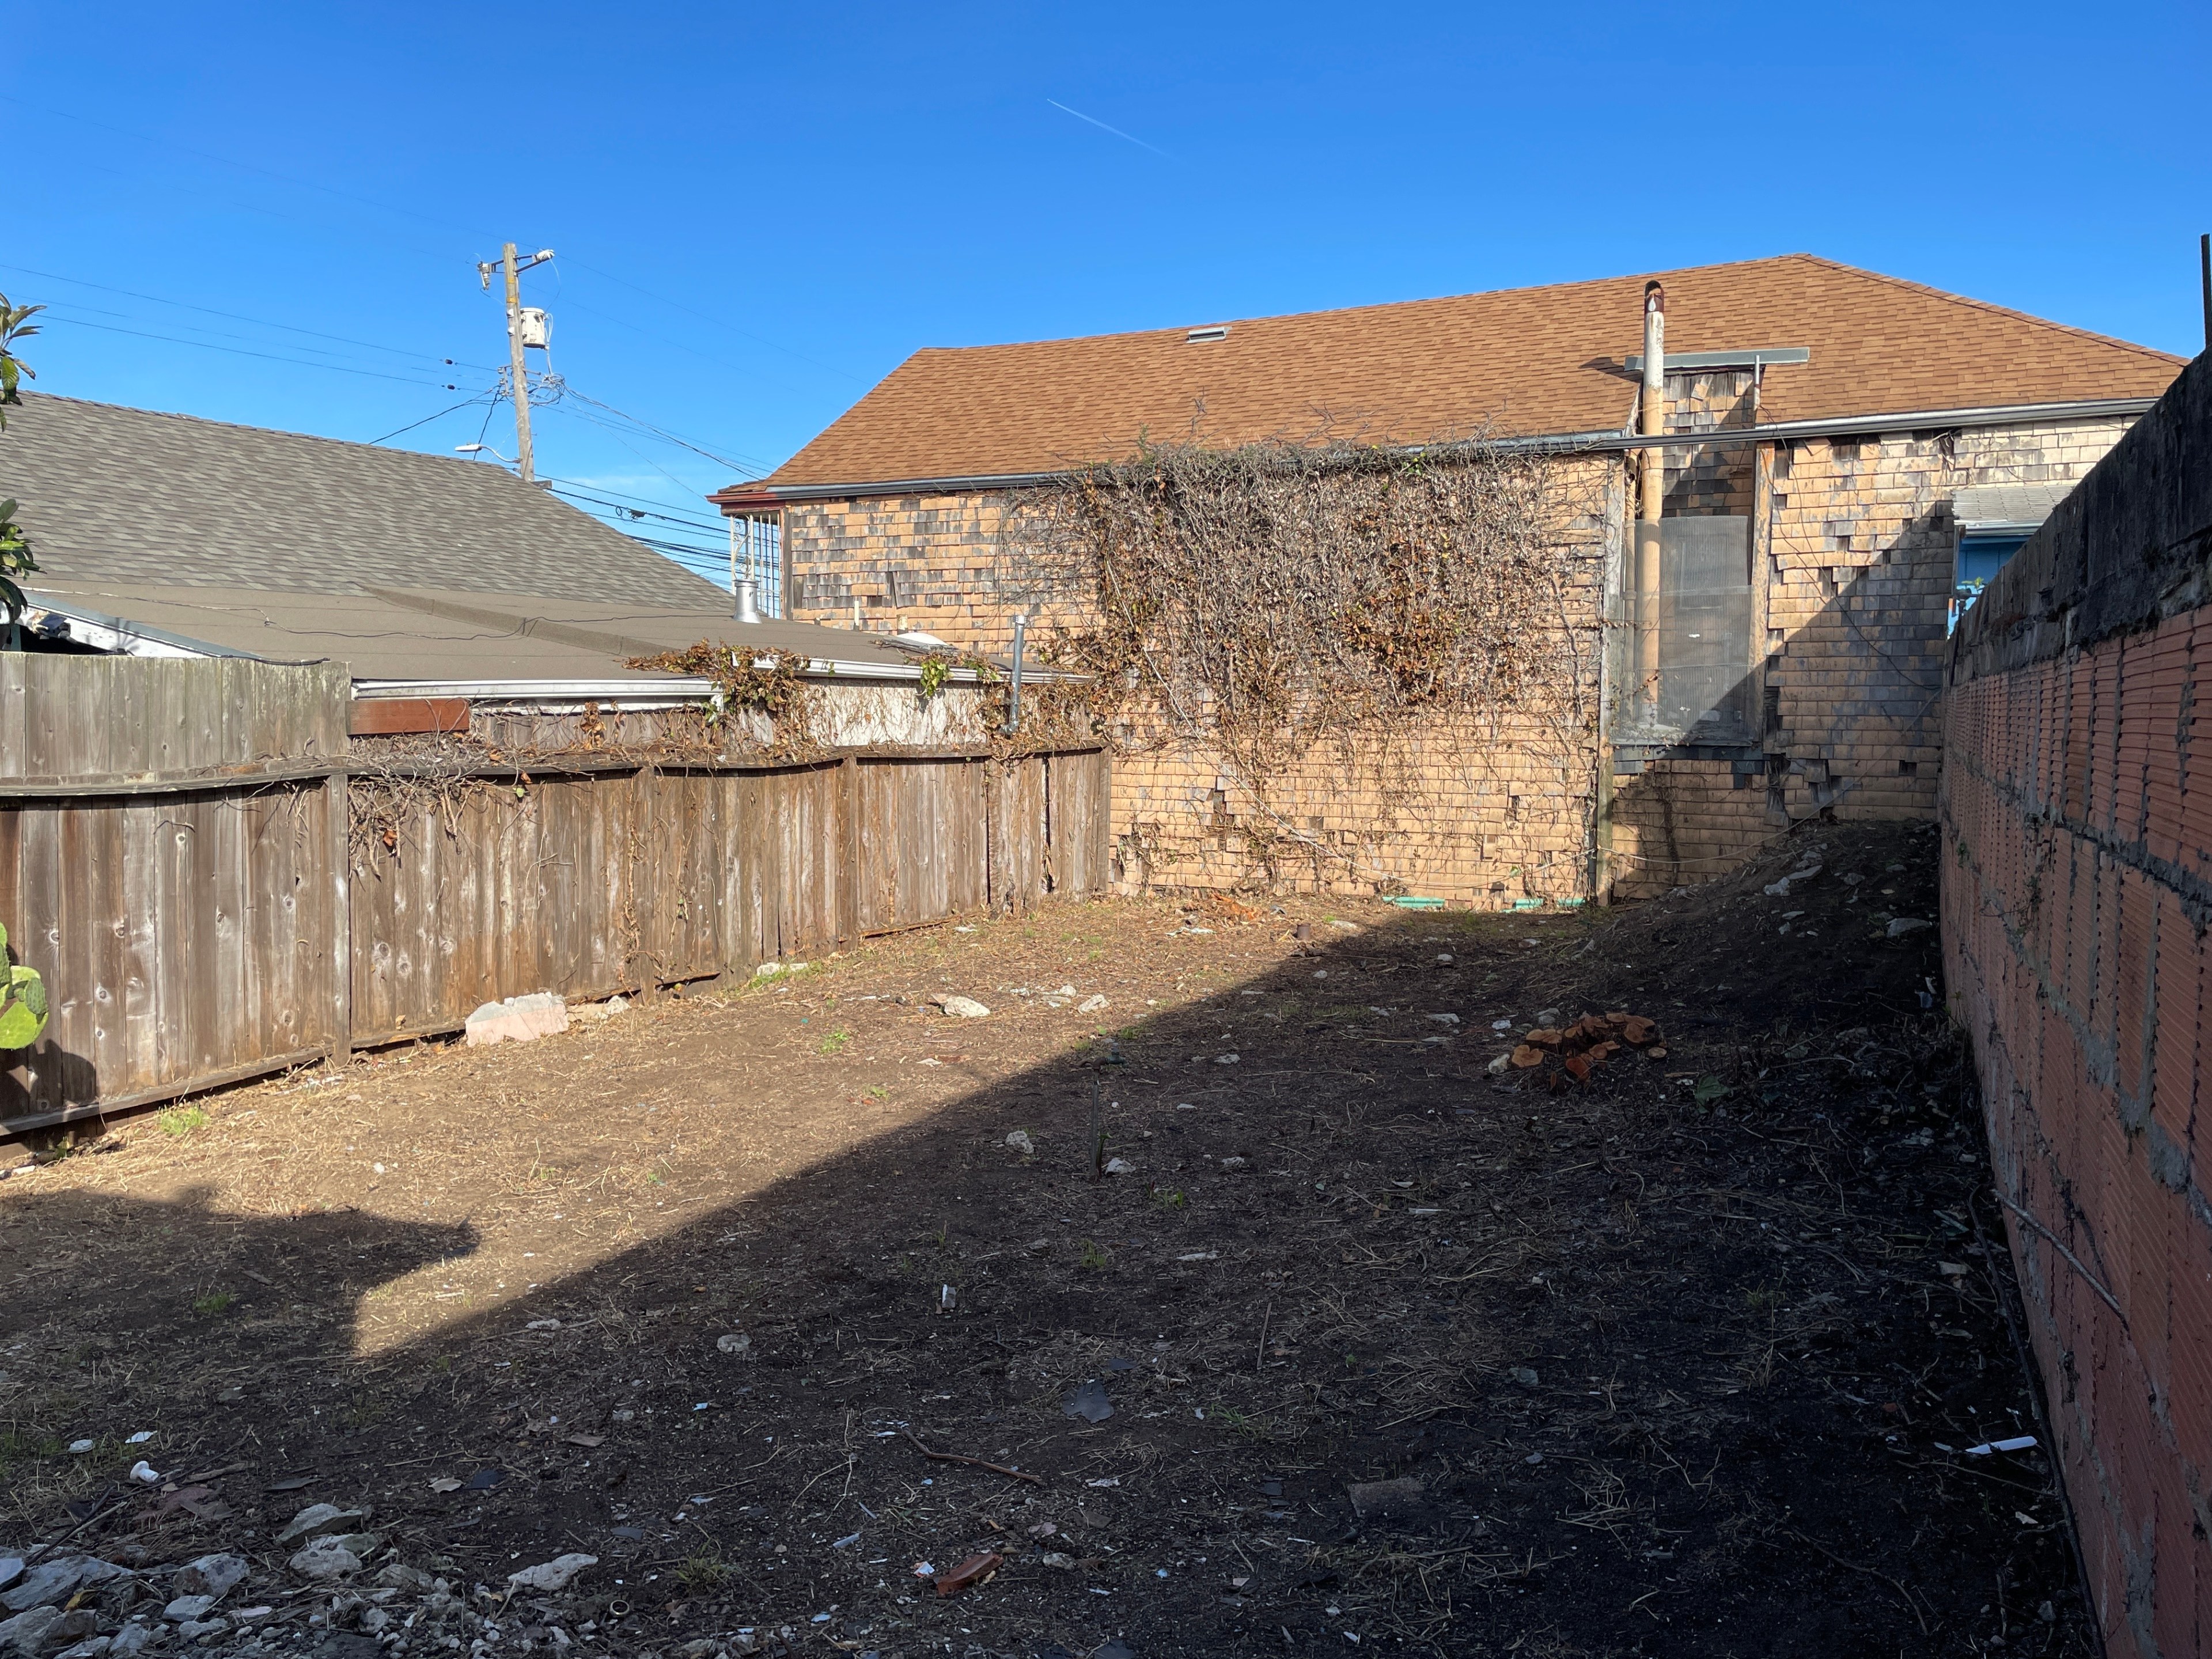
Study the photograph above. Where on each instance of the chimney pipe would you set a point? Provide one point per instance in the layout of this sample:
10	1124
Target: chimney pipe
1652	481
748	597
1654	402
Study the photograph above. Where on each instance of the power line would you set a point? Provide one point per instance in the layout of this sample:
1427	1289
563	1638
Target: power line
617	434
699	523
239	317
244	166
240	351
661	433
720	323
65	311
609	489
466	403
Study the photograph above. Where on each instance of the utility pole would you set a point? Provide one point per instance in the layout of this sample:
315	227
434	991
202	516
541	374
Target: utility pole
518	375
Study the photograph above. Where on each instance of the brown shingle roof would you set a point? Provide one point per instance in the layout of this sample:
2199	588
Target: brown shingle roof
1522	361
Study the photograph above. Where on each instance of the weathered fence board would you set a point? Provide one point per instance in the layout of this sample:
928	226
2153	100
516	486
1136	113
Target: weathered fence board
109	716
178	935
195	926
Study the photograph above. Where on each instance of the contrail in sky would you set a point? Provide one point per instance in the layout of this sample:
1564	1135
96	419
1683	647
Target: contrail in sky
1103	127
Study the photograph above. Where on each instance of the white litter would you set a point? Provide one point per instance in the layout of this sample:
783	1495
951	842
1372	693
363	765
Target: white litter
553	1575
2018	1443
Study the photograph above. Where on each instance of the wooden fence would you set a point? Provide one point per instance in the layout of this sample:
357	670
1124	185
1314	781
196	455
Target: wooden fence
174	860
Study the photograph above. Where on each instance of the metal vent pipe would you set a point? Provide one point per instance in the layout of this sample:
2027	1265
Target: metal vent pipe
1652	482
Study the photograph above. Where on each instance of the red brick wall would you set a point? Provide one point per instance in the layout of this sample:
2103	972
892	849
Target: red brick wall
2076	802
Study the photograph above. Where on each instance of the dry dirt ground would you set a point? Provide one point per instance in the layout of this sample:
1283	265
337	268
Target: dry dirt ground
1684	1361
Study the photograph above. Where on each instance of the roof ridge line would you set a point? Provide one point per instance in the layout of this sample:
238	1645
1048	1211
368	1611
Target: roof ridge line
242	426
1992	307
1369	305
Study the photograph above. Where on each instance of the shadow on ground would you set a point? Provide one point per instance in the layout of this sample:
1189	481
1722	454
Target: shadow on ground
1684	1361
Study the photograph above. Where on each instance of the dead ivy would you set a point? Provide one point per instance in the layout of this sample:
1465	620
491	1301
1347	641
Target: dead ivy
770	684
1381	607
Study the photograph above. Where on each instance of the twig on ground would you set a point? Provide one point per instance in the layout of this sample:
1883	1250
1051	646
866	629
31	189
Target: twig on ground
972	1462
1872	1572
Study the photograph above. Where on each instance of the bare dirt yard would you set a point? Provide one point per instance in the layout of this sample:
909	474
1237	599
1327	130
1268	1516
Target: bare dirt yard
798	1307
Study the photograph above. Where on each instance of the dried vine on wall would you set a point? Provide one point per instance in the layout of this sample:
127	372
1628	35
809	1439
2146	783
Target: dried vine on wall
768	686
1262	602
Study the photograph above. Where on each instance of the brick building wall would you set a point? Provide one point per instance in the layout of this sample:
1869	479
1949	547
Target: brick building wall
923	562
1855	552
2077	888
1853	570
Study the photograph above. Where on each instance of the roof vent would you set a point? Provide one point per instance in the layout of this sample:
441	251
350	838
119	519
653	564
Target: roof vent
1200	336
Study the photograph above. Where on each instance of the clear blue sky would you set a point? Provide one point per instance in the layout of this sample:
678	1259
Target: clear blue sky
760	210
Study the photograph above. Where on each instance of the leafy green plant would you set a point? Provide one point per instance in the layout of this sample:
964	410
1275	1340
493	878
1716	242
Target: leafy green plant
704	1572
15	324
181	1121
936	671
213	1302
835	1042
15	548
1089	1255
1167	1197
23	993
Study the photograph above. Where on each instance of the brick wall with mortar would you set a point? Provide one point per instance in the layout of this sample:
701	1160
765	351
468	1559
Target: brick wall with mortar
2077	891
1855	558
1853	573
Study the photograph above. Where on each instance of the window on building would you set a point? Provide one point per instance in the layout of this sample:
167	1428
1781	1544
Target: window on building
1679	665
1995	521
756	555
1982	553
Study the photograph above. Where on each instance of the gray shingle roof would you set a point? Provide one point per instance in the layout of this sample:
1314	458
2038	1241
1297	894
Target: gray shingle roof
129	495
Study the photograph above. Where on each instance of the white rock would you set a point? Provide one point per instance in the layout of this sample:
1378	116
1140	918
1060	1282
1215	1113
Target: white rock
1119	1166
1497	1067
553	1575
325	1561
1904	925
1066	991
1020	1141
187	1607
316	1519
79	1447
1445	1020
1446	956
734	1342
1224	1059
1091	1004
517	1020
962	1007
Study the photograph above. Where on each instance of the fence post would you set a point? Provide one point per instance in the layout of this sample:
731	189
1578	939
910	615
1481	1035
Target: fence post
338	805
849	877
